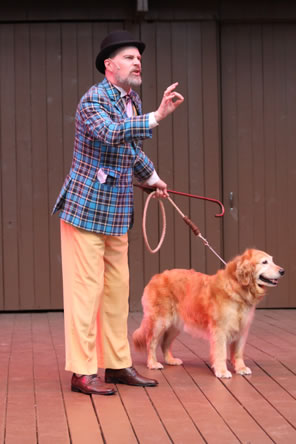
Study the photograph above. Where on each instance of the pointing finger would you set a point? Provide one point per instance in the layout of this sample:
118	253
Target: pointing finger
171	87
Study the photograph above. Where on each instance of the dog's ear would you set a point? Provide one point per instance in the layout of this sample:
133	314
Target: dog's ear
244	271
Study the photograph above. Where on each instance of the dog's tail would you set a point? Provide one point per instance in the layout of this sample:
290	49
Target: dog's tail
139	336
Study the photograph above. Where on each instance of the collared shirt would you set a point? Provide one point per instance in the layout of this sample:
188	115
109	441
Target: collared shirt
152	121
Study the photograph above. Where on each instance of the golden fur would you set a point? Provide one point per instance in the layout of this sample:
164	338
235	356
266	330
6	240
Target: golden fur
220	306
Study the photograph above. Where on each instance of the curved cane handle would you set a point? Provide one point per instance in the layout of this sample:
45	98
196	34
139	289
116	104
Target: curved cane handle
148	189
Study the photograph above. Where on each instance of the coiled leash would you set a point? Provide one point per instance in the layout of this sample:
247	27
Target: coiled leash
196	231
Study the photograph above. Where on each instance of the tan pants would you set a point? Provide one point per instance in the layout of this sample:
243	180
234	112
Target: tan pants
96	291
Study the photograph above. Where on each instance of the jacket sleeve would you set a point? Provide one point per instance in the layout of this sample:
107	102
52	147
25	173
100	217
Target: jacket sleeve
143	167
109	128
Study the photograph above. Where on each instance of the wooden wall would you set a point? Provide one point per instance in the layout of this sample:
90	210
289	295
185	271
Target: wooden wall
47	62
45	69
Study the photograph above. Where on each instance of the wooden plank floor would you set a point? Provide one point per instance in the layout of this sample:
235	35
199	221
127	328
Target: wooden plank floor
189	406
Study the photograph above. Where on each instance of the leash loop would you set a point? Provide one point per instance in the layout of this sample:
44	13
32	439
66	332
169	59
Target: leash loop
163	223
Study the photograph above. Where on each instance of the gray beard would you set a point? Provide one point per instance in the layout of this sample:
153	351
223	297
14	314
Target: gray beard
133	83
130	81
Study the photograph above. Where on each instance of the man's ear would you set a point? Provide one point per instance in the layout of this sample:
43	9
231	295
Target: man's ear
244	272
108	64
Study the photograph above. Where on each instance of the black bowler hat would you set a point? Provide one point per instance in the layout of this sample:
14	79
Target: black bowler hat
113	41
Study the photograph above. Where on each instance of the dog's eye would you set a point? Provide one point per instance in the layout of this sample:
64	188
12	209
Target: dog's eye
265	262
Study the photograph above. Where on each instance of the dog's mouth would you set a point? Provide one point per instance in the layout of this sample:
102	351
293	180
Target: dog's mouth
267	281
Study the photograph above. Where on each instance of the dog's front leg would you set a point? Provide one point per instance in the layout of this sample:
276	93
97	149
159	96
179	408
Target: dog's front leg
219	354
237	356
237	347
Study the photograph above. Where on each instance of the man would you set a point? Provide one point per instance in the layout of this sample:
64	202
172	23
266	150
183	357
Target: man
96	211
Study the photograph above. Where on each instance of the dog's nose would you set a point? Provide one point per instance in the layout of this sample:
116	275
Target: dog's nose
282	272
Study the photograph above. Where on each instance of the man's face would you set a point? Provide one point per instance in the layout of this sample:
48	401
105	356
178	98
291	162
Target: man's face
126	67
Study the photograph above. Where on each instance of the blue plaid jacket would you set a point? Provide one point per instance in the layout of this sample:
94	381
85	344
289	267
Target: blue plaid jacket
109	141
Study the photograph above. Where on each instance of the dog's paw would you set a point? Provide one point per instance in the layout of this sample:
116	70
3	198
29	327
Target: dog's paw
223	373
174	361
154	365
243	371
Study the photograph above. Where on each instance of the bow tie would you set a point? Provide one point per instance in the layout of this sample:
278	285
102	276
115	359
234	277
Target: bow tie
128	98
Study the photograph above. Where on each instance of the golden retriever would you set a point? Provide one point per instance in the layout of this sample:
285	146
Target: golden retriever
219	306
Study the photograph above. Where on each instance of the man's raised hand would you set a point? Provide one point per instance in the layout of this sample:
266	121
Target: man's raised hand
170	101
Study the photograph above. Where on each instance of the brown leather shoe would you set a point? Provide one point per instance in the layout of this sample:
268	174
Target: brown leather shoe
128	376
90	385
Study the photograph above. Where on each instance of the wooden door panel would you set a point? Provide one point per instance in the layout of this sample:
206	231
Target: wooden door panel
258	112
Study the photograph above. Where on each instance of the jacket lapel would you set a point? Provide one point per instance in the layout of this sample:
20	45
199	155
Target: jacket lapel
118	102
114	96
137	102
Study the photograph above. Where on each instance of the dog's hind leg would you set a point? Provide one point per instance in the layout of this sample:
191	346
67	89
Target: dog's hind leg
153	341
166	344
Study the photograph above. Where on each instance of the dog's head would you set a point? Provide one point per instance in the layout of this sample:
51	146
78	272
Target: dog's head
255	270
